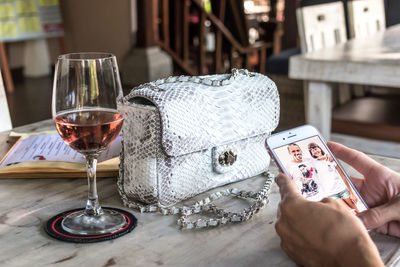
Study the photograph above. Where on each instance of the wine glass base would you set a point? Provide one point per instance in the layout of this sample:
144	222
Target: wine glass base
79	223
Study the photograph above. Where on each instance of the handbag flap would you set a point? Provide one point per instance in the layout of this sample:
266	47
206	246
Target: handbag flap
202	112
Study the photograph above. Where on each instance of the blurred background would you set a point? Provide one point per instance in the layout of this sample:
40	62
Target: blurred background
158	38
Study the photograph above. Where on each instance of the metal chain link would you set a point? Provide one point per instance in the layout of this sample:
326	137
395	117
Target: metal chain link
194	79
261	199
205	205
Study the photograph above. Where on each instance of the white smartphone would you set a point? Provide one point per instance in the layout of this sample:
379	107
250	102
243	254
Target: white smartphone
302	154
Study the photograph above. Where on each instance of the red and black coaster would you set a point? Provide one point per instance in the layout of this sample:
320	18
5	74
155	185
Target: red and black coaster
53	228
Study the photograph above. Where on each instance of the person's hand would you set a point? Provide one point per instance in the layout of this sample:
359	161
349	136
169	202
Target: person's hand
380	189
321	233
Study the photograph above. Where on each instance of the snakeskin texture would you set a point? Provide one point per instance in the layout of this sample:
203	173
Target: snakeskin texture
175	130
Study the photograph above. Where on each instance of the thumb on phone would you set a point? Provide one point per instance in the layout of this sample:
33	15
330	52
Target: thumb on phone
287	187
380	215
357	182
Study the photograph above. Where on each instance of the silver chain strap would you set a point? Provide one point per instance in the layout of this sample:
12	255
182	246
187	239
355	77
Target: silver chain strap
205	206
194	79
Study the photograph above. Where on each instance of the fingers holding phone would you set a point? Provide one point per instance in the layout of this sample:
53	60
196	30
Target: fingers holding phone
286	187
380	189
321	233
302	154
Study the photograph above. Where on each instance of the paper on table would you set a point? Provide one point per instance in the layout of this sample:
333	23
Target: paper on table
50	147
26	135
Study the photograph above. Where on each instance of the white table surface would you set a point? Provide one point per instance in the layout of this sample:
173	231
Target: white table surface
26	205
374	60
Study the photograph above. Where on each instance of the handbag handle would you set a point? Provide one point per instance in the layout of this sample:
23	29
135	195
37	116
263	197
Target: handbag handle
205	205
194	79
204	80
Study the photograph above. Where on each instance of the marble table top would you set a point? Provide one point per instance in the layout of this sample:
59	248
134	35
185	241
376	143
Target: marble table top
26	205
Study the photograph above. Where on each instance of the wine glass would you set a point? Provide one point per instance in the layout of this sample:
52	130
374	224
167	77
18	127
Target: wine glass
86	94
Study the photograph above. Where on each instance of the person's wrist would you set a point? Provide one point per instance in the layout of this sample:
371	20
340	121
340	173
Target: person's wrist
359	251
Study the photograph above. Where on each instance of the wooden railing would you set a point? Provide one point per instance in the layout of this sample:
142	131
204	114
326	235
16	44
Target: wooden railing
181	31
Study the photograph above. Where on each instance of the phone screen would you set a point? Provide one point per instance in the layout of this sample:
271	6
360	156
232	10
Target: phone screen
316	172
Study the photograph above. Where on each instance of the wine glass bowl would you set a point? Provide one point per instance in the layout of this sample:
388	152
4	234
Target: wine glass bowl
89	131
85	107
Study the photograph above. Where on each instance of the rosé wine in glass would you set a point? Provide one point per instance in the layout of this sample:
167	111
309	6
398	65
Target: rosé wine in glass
89	131
86	108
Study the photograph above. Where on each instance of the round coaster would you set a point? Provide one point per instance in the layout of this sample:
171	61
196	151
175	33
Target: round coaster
53	228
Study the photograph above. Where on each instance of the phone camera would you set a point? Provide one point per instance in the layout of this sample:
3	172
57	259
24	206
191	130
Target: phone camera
284	138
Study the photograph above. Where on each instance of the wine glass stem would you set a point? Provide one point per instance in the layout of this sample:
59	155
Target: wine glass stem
93	207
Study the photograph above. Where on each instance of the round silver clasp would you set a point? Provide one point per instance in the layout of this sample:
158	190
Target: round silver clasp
227	158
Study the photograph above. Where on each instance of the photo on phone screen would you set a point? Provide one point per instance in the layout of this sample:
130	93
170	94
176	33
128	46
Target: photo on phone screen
316	173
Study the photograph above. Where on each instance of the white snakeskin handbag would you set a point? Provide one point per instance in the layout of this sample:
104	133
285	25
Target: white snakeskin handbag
185	135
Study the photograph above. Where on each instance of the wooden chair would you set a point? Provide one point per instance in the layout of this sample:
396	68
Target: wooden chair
322	26
366	17
5	119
